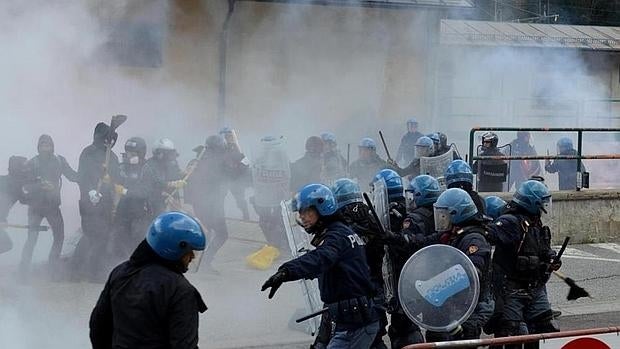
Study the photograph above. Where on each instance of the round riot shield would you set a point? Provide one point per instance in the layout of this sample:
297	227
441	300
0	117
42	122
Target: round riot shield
438	288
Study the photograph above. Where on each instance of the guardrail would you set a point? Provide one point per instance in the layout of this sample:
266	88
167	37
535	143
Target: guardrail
579	155
515	340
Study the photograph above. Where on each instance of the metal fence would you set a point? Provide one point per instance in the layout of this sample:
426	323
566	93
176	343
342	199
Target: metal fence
579	155
519	341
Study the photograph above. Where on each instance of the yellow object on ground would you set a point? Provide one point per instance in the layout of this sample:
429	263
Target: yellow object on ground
263	258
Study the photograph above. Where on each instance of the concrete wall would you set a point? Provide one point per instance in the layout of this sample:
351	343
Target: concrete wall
586	216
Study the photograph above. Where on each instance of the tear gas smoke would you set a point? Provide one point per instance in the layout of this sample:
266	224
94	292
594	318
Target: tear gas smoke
292	70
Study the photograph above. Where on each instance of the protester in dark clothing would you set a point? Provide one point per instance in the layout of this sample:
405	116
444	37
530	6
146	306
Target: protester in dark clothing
147	302
406	149
42	194
565	168
237	169
10	193
207	191
96	203
131	217
308	168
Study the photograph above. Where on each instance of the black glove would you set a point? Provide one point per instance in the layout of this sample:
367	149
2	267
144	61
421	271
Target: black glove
275	281
555	266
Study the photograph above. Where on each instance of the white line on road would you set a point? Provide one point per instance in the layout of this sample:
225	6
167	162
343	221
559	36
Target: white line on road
608	246
592	258
577	253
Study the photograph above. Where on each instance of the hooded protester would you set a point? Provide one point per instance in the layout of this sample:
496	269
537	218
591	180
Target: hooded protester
11	192
96	203
42	194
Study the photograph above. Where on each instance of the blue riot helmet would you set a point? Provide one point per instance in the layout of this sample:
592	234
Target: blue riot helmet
564	144
453	207
424	190
412	122
393	182
458	171
533	196
173	234
494	206
225	130
328	137
368	143
346	191
424	147
317	196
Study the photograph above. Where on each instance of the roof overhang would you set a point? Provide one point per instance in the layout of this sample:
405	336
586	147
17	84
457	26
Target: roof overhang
380	3
484	33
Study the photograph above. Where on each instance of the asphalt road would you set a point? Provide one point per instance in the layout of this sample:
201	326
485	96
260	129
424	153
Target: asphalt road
45	314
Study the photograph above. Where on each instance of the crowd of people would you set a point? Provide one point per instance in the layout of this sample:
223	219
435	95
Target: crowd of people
122	200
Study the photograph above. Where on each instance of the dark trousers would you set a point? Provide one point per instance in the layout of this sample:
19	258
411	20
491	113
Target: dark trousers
212	215
89	258
56	222
271	224
238	193
403	331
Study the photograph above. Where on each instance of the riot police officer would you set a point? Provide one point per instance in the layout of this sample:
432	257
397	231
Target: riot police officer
368	164
565	168
523	262
339	262
356	214
147	302
457	217
406	149
494	205
402	331
459	175
491	173
423	148
334	164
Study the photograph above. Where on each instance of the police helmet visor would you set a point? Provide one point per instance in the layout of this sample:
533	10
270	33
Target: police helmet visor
194	264
547	205
442	218
422	151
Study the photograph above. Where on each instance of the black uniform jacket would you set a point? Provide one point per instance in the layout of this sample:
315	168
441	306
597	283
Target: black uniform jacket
146	303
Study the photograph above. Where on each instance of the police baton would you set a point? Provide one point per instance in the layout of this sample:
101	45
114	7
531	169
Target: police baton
374	214
311	315
387	151
561	251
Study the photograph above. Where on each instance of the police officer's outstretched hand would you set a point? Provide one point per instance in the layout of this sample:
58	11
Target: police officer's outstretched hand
275	281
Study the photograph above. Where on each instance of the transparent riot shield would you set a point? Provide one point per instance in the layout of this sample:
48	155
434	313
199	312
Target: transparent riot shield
382	206
436	166
299	243
438	288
